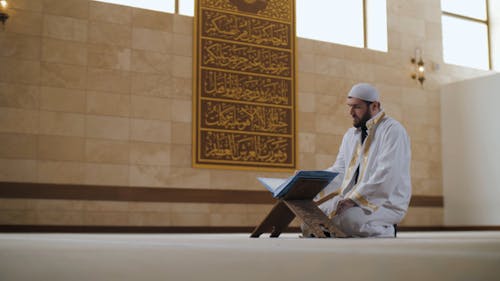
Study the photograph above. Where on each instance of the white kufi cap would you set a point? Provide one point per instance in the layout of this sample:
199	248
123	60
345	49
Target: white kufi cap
364	91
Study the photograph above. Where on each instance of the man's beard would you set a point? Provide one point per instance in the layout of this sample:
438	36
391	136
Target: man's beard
362	122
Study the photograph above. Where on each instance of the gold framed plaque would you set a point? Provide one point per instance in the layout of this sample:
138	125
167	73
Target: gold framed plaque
244	84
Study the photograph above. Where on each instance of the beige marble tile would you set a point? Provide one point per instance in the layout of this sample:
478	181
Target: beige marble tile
109	57
183	24
391	76
18	146
106	127
359	71
327	49
14	217
19	71
225	179
306	62
24	22
106	80
328	124
106	174
306	122
152	40
62	51
58	205
63	76
183	67
415	97
421	169
420	115
19	46
393	110
433	187
147	153
106	218
334	86
148	207
19	96
108	104
151	108
16	204
190	207
61	172
61	148
228	219
144	175
59	217
183	45
423	216
305	45
107	151
190	219
14	120
109	34
19	170
156	85
183	87
62	124
142	18
154	218
182	133
30	5
324	161
70	8
150	130
307	142
112	13
181	110
181	155
151	62
391	93
306	82
65	28
61	99
305	160
328	144
325	104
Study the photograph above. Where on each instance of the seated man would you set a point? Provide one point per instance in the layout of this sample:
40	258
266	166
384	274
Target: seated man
373	163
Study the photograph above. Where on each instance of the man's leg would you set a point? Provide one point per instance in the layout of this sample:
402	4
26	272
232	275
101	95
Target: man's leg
355	222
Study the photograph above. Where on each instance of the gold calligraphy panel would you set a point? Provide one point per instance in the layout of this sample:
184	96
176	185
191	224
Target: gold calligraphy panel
244	101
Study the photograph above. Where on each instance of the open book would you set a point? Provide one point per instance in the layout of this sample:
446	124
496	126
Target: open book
281	187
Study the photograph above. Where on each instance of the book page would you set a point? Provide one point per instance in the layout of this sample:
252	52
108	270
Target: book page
272	184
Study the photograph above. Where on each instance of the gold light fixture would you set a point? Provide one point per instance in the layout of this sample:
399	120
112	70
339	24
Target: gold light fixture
3	11
418	63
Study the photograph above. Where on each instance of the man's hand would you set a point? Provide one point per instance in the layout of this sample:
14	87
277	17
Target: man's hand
344	205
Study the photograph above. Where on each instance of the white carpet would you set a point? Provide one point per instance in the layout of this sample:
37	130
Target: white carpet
429	256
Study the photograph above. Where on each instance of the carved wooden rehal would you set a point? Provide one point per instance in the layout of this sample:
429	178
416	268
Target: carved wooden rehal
244	101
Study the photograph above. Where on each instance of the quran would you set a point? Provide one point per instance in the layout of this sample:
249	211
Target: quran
302	185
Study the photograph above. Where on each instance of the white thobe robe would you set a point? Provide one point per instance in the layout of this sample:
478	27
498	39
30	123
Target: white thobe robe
383	188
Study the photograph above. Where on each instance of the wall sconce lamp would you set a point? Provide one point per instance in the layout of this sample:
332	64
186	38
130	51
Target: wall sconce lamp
3	11
418	64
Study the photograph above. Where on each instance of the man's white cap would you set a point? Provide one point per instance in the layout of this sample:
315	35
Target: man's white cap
364	91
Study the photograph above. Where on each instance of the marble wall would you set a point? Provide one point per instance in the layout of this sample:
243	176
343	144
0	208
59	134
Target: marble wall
101	94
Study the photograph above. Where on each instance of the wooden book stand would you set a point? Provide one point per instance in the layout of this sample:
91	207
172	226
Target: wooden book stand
299	202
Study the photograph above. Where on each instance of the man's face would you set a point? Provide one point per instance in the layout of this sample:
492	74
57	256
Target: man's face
360	112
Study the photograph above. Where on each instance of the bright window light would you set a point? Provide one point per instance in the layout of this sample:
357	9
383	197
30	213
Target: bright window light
469	8
156	5
336	21
186	7
465	42
376	25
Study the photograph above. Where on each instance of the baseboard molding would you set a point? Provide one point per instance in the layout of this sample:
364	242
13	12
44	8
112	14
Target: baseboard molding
197	229
25	190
